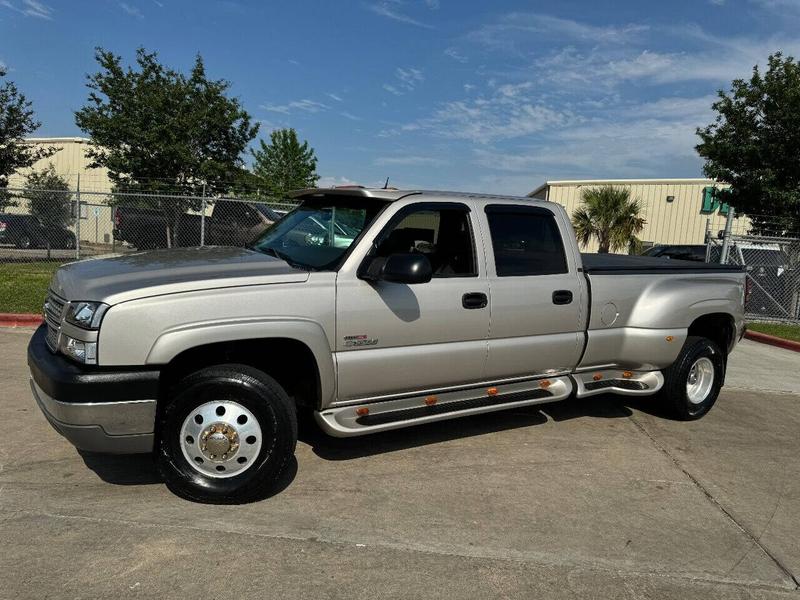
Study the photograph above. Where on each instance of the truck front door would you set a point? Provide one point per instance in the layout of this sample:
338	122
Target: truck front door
393	338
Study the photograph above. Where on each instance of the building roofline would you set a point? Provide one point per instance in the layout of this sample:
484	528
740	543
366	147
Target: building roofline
47	140
667	181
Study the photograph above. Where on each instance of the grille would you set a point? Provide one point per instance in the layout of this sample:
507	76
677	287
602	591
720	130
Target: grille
53	312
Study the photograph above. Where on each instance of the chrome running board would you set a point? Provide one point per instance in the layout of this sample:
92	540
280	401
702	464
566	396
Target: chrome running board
626	383
373	417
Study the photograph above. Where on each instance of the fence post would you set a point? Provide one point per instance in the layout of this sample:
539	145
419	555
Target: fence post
726	237
78	219
708	239
203	218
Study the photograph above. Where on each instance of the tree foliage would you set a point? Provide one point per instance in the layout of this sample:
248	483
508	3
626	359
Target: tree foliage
609	215
285	164
158	130
49	197
754	144
16	123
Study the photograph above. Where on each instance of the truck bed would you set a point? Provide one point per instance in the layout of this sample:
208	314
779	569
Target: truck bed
623	264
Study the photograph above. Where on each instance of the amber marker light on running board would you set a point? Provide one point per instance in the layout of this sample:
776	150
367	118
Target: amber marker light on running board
627	374
492	391
431	400
544	384
597	376
362	412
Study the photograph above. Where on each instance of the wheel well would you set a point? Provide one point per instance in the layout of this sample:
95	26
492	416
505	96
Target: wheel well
718	327
290	362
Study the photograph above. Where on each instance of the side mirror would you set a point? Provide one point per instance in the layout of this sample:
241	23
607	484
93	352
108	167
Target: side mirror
400	268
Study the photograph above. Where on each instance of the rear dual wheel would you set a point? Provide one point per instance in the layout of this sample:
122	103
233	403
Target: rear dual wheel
226	436
693	382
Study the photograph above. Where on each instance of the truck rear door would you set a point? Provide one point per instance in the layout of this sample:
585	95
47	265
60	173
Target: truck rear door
537	296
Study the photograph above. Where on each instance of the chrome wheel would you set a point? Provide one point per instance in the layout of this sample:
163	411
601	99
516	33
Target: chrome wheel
220	439
700	380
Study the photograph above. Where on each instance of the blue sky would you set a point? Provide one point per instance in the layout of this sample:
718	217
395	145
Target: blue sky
469	95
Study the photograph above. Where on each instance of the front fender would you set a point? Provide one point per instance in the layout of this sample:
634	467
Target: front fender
185	337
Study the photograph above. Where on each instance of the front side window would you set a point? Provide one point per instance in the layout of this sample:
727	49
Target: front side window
318	233
443	235
526	241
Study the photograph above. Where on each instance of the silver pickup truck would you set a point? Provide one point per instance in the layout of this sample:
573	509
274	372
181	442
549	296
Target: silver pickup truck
396	308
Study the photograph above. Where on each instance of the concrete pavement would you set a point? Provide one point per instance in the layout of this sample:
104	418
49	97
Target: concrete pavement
596	498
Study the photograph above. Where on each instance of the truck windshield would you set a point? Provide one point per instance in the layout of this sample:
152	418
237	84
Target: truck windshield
317	234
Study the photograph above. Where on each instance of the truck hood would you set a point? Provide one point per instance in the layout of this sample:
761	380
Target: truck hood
157	272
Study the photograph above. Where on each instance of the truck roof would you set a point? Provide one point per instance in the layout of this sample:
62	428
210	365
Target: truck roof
392	194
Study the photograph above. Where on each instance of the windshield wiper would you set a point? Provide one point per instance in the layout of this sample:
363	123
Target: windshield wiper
282	255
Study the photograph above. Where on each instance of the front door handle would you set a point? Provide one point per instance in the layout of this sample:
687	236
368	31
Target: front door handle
562	297
474	300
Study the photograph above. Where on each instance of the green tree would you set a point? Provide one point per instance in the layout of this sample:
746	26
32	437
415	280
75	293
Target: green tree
49	197
609	215
285	164
157	130
754	144
16	123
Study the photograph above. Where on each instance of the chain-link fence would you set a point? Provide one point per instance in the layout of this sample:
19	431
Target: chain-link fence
63	225
769	251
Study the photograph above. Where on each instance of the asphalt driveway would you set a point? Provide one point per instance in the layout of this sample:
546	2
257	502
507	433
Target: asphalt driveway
596	498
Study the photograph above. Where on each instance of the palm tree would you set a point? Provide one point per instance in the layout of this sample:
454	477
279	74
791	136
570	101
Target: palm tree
610	215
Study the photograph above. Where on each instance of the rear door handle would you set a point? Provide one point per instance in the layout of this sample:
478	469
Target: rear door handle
474	300
562	297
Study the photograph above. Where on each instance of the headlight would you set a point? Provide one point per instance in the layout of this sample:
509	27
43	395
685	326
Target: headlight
86	315
83	352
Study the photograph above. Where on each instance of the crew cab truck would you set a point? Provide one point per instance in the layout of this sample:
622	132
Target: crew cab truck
433	306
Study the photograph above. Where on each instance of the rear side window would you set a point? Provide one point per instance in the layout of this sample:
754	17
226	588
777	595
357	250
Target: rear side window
526	241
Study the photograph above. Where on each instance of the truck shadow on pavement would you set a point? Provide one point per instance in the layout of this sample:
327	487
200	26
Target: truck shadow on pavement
605	406
140	469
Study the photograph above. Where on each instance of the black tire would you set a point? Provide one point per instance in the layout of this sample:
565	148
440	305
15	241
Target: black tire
675	394
24	242
261	395
69	243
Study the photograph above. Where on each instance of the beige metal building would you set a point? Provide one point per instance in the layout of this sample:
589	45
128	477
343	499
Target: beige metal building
676	210
70	162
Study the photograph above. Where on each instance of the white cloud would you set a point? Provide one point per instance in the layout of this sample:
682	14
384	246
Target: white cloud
521	28
391	10
455	55
406	80
131	10
304	105
333	96
350	116
432	4
30	8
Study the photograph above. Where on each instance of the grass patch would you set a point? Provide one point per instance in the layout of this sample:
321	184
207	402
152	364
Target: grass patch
23	286
781	330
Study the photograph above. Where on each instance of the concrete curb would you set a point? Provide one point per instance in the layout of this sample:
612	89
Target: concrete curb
764	338
20	320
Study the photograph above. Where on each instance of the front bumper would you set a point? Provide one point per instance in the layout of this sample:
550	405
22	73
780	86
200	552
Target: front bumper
96	409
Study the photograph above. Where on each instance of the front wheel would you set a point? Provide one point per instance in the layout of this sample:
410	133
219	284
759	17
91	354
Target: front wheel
692	383
226	436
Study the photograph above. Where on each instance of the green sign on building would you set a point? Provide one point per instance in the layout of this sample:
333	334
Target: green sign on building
712	202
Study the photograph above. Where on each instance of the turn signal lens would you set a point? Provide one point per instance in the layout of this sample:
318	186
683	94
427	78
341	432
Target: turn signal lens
544	384
669	338
492	391
597	376
431	400
362	412
627	374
